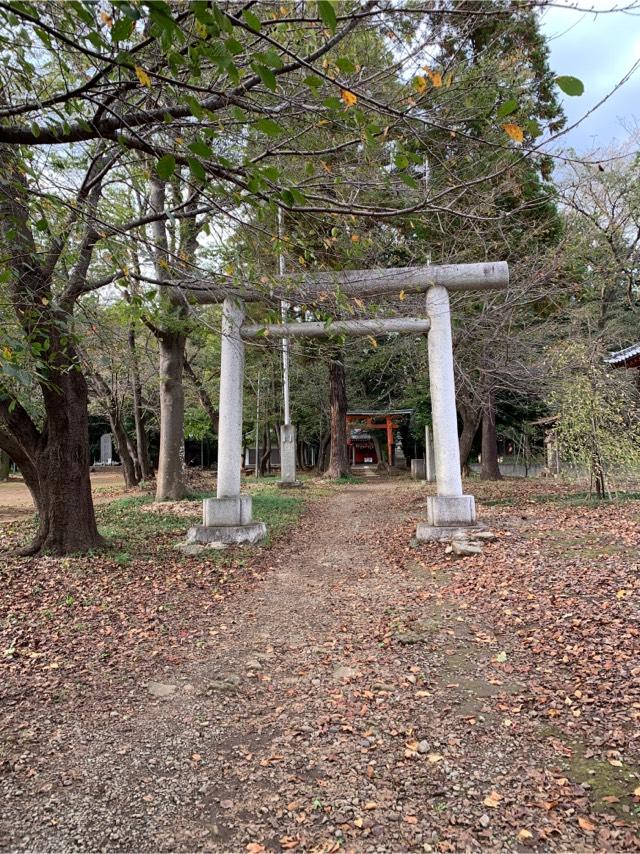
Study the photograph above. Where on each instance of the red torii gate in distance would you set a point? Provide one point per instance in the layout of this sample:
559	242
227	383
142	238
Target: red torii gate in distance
367	420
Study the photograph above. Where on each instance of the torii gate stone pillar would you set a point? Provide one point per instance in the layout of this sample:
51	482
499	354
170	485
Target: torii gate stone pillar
449	509
228	517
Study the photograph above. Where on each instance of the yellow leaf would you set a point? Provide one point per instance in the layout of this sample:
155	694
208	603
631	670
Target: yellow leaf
348	97
621	594
371	805
513	131
106	19
421	83
358	822
201	29
372	341
402	295
492	800
142	76
524	834
434	758
615	762
636	792
434	76
355	238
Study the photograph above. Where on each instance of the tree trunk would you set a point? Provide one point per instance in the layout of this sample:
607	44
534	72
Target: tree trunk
59	478
470	424
265	459
490	467
323	445
124	452
5	466
142	442
171	480
339	459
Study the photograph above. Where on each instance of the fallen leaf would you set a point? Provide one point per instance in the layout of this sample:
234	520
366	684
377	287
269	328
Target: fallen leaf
586	825
492	800
524	834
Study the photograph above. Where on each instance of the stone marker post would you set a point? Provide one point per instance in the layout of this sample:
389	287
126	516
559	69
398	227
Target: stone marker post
227	518
449	509
429	458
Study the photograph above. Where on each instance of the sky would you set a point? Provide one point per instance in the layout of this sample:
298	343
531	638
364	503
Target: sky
599	49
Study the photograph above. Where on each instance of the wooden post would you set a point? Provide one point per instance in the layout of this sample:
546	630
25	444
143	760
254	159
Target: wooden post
389	440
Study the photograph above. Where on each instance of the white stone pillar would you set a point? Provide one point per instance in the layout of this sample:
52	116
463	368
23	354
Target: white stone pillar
228	518
449	508
230	409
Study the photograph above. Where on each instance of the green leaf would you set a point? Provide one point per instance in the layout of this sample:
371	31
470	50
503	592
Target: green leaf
266	75
200	148
313	82
401	161
327	14
165	167
253	21
345	65
196	168
269	127
121	30
234	46
570	85
507	107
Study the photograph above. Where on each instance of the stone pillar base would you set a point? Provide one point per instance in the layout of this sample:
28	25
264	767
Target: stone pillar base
251	534
290	484
448	516
227	520
455	510
236	510
442	533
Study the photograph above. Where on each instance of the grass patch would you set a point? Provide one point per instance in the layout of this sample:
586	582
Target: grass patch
130	530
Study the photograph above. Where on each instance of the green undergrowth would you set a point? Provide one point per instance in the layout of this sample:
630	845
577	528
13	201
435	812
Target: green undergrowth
131	527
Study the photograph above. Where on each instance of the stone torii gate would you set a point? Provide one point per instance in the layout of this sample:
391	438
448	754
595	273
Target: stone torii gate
228	517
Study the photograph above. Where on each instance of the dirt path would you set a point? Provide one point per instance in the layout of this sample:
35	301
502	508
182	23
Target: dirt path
344	702
16	502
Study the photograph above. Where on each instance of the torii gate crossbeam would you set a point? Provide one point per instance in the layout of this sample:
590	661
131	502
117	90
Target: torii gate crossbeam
228	518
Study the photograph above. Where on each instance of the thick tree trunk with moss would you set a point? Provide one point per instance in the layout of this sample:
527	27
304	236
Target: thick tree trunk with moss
339	458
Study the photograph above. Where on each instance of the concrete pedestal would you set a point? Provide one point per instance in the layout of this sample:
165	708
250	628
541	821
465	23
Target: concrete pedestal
250	534
417	469
448	516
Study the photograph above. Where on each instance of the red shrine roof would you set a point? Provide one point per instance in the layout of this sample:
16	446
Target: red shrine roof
627	358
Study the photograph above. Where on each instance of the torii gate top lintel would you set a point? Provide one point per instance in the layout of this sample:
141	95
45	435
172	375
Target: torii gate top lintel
305	286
